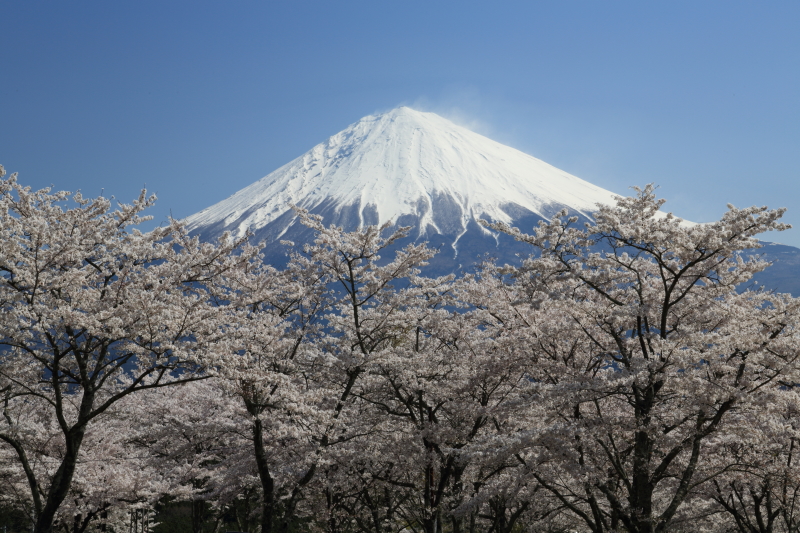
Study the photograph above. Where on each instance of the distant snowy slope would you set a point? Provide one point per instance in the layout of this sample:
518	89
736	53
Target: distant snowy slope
404	166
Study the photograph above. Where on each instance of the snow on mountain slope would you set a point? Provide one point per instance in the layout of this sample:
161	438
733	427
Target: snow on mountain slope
403	166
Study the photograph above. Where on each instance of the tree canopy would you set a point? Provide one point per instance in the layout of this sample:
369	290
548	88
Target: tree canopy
625	377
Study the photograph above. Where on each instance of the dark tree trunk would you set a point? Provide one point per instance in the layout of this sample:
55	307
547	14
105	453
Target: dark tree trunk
198	510
61	480
267	483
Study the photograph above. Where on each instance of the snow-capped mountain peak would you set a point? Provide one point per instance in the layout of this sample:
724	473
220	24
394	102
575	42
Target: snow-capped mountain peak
404	166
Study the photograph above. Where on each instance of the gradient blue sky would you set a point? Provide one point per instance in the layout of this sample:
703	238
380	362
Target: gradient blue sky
195	100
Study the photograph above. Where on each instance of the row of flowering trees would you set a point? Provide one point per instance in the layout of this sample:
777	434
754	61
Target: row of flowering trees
615	381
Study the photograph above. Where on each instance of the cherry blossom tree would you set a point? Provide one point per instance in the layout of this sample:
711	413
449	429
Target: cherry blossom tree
374	313
300	341
111	477
643	351
760	491
191	438
275	323
92	310
446	385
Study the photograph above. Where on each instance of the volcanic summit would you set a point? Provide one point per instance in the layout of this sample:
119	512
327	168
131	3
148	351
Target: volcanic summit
412	168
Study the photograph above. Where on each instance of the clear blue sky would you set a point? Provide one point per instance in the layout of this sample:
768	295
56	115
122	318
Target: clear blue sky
198	99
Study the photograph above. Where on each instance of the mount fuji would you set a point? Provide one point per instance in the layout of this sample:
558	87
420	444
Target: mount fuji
414	169
411	168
